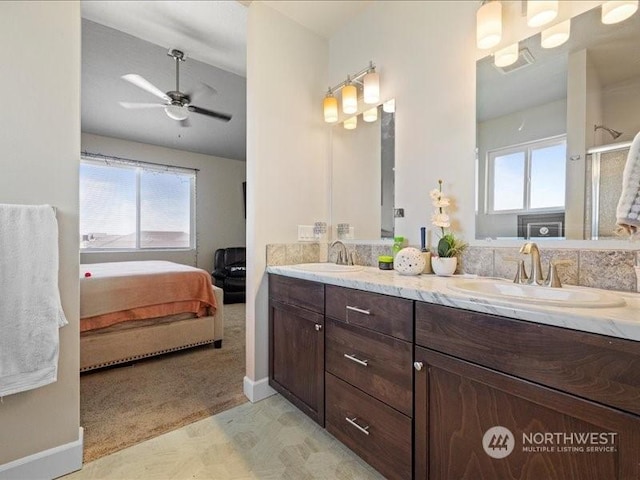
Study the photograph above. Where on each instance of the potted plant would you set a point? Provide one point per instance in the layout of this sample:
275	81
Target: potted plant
445	259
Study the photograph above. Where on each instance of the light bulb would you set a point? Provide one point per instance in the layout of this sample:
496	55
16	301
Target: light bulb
541	12
555	36
370	115
506	56
617	11
349	99
389	106
351	123
371	83
176	112
489	25
330	108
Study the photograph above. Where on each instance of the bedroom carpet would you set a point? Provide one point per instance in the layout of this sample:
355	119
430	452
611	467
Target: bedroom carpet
122	406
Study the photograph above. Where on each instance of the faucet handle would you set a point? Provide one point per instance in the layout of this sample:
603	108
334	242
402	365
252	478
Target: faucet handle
521	273
352	258
553	279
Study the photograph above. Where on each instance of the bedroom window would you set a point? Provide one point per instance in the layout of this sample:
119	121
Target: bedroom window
527	177
128	205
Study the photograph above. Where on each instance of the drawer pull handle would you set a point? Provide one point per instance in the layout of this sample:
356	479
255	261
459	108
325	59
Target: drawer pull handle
359	310
318	327
357	360
418	365
352	421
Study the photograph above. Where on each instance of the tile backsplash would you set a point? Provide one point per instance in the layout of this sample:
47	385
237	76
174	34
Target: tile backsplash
606	269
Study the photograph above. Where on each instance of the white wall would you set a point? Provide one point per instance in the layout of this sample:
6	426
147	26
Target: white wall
220	218
425	54
40	142
287	151
621	104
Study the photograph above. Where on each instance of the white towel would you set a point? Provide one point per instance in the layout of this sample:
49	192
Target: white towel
628	211
30	308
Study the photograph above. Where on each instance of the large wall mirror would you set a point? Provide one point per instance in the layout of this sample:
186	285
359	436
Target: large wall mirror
553	130
362	176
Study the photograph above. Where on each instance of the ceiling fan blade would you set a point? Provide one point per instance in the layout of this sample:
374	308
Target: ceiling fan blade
135	105
185	123
220	116
144	84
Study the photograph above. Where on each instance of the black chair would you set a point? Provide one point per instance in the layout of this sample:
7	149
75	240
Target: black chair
230	272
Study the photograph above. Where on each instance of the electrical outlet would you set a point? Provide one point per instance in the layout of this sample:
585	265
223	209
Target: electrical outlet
398	212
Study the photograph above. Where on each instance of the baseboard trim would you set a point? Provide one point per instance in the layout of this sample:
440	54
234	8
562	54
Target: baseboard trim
48	464
259	390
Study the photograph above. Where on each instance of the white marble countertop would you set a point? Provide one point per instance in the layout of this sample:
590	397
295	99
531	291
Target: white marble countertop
621	322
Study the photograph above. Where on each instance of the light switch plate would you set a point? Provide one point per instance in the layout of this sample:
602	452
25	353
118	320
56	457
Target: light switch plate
305	233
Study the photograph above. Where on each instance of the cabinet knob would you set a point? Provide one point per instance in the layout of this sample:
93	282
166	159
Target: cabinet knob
318	327
418	365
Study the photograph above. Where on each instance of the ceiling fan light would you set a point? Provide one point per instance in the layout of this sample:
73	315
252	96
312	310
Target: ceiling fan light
618	11
555	36
541	12
176	112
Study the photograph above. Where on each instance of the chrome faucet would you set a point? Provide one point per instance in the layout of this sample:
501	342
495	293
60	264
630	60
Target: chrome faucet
535	275
343	255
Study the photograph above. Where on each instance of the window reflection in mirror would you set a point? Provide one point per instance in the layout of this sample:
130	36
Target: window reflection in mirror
551	94
362	176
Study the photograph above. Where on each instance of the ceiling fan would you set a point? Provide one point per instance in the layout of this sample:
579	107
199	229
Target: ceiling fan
177	104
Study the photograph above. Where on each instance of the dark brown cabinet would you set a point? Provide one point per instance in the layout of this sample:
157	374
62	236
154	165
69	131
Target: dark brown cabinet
485	409
296	343
369	377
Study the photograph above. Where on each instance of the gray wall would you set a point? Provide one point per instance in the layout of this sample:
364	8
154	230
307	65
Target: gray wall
40	140
220	218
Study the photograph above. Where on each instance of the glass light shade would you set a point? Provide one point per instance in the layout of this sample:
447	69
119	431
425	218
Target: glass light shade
506	56
351	123
556	35
389	106
330	108
370	115
349	99
617	11
489	25
176	112
541	12
371	88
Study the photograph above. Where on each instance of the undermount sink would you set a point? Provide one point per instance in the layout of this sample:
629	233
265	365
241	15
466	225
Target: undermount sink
567	296
327	267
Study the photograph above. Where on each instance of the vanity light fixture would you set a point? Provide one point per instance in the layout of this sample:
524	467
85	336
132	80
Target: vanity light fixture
349	98
618	11
556	35
489	24
506	56
541	12
366	80
330	107
370	115
351	123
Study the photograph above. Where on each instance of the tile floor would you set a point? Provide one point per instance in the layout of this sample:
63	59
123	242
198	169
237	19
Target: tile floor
270	439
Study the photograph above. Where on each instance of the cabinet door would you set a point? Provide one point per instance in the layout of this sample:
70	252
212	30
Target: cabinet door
296	360
543	434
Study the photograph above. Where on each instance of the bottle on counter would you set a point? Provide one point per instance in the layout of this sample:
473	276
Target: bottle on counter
398	244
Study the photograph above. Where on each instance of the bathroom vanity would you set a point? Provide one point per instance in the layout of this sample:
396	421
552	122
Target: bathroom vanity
415	376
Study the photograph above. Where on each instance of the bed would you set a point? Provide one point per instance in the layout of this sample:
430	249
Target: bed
133	310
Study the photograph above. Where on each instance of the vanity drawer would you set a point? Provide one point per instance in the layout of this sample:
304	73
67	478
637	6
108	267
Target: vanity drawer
378	364
597	367
382	313
294	291
376	432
